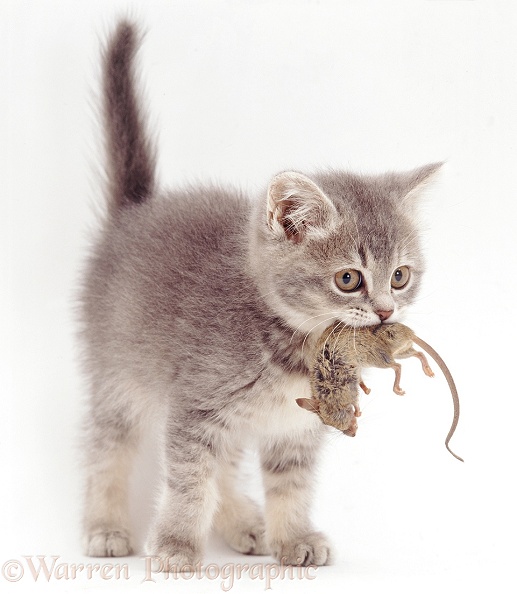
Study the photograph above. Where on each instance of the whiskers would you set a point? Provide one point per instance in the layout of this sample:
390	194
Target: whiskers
333	314
340	323
315	326
341	326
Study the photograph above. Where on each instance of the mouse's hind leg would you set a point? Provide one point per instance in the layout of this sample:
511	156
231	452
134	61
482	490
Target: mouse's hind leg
411	352
396	386
425	364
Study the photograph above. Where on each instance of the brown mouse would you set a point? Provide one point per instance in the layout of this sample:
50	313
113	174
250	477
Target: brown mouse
336	374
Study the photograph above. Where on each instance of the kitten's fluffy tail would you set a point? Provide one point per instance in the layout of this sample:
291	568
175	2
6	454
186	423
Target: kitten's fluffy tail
130	155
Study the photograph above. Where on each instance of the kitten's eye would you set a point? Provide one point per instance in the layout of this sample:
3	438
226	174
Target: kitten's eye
400	277
348	280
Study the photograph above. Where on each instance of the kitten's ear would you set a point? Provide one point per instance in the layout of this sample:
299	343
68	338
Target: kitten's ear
297	207
308	404
414	182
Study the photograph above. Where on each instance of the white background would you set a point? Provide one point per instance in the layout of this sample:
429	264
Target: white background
240	90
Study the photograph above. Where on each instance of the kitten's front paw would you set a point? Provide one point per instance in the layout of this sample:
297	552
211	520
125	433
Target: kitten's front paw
172	555
307	549
108	543
241	524
247	539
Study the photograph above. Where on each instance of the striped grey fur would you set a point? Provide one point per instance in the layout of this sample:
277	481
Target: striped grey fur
200	311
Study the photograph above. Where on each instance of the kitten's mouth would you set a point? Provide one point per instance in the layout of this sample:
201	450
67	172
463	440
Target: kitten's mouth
373	321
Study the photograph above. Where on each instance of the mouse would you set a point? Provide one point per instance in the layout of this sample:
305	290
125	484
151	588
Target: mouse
343	351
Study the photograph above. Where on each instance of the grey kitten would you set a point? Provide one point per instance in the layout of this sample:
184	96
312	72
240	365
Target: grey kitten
201	308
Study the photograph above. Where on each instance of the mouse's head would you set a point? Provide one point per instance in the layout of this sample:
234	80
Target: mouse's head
343	419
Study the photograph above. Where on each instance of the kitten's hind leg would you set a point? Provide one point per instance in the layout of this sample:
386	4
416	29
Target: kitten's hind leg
288	466
239	519
112	437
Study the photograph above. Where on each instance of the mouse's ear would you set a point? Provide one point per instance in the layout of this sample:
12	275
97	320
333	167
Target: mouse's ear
308	404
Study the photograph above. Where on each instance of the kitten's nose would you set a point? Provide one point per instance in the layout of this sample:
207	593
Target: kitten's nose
384	315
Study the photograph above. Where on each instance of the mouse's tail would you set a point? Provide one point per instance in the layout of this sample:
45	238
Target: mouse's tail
131	158
448	376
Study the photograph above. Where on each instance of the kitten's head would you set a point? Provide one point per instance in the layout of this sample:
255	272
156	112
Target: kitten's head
338	246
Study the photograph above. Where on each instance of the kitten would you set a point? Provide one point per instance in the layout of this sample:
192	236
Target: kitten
201	309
